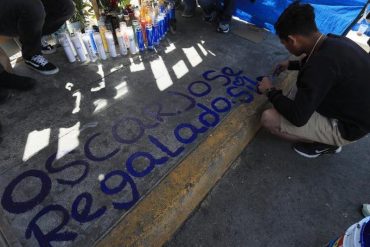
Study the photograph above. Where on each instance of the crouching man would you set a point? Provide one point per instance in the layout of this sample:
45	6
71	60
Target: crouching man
331	105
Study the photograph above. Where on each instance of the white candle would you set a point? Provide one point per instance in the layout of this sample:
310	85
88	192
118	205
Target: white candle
78	46
100	46
63	40
121	42
132	46
89	48
123	28
111	45
79	34
70	43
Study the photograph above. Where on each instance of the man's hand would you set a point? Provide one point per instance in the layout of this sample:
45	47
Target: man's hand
264	85
281	67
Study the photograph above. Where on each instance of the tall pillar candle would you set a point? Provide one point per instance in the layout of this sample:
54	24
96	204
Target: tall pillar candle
121	42
79	49
111	45
100	46
89	47
133	49
63	40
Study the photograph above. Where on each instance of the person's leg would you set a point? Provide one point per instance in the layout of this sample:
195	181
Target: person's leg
320	135
228	11
5	62
57	13
271	120
189	8
8	80
225	16
210	7
23	19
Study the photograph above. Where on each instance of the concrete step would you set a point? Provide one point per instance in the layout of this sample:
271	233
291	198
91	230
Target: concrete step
118	153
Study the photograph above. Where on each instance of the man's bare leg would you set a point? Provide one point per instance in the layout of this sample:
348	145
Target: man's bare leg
270	119
5	62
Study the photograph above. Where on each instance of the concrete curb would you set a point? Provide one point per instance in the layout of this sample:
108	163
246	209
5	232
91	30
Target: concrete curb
156	218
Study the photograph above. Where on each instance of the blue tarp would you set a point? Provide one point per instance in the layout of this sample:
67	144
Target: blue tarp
332	16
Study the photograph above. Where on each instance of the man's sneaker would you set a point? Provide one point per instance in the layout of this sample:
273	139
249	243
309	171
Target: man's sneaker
211	18
12	81
223	28
315	149
41	65
366	210
46	48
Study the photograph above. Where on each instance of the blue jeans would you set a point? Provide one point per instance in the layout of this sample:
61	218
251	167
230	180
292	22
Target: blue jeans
225	10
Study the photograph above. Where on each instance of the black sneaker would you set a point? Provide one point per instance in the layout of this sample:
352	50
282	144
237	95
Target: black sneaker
47	49
211	18
41	65
223	28
315	149
12	81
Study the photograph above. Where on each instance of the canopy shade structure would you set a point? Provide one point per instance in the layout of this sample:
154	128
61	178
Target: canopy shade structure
332	16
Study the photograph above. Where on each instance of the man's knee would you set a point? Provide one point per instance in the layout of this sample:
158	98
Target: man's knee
68	9
270	120
35	9
4	61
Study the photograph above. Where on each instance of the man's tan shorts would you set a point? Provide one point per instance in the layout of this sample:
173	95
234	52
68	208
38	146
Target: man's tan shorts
318	128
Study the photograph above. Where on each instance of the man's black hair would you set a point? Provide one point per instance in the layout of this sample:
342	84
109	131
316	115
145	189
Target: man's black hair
297	18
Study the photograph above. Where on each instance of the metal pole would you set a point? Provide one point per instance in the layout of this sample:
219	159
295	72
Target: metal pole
96	8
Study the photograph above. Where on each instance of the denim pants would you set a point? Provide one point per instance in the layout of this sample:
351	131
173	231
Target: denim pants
225	10
30	19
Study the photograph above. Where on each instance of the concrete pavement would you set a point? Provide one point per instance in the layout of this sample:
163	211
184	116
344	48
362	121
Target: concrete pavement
92	149
273	197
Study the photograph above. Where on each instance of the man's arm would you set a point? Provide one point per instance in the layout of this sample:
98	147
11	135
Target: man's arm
315	81
294	65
